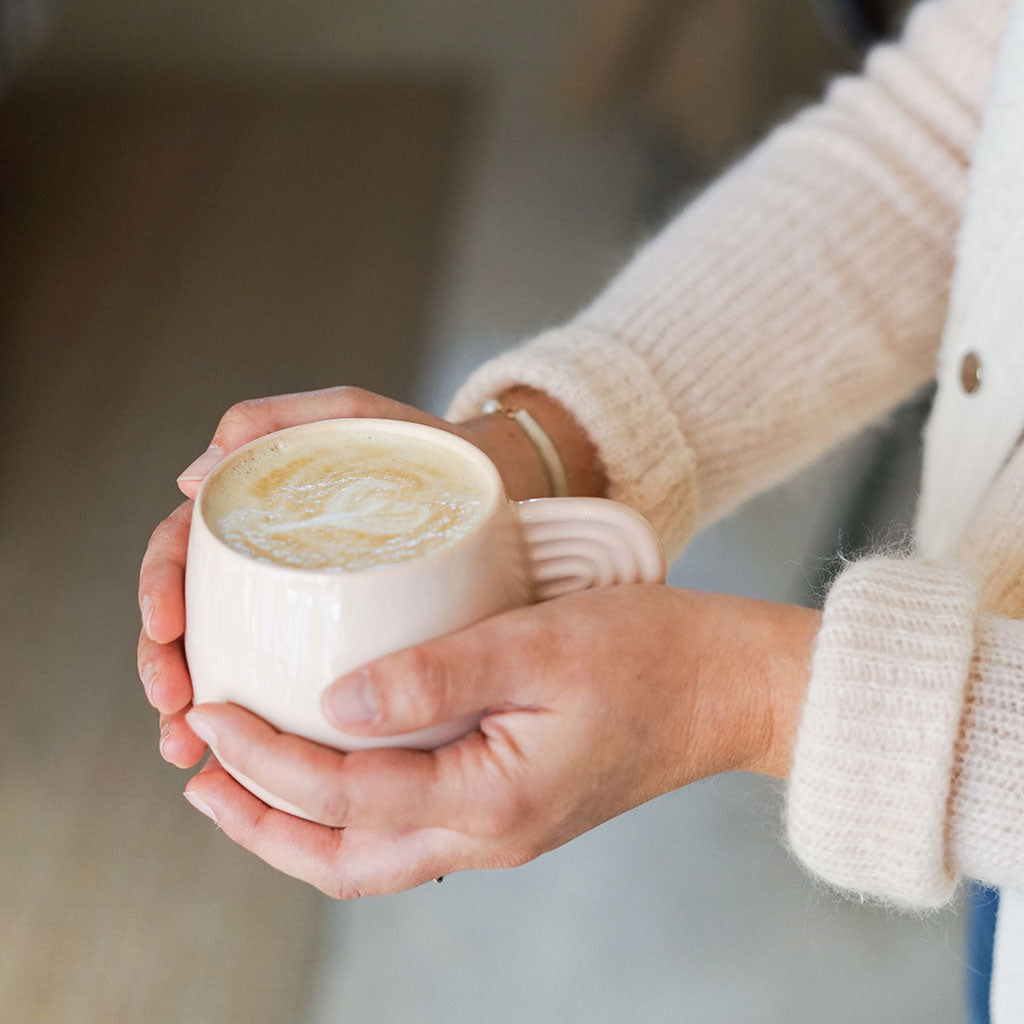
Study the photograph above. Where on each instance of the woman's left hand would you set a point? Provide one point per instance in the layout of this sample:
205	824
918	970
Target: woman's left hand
592	704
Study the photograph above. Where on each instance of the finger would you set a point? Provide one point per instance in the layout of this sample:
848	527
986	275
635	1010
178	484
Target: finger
332	788
162	577
344	863
483	668
191	478
246	421
211	764
164	674
179	745
467	786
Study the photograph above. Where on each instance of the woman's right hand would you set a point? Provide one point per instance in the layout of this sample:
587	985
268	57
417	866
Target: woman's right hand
161	651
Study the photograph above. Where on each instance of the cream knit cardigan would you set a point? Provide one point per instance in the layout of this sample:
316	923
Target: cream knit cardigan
798	299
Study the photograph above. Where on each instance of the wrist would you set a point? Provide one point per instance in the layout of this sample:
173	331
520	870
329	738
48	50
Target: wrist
502	440
788	634
740	671
517	456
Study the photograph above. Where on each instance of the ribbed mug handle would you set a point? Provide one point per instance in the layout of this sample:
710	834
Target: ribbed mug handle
576	543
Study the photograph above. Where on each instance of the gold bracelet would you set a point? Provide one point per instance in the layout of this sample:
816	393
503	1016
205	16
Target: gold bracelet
554	468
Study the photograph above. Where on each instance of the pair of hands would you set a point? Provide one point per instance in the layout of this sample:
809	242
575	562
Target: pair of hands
593	703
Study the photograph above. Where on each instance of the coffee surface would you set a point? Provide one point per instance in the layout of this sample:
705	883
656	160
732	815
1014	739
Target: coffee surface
349	502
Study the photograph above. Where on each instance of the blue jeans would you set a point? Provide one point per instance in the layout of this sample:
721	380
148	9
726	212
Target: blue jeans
982	904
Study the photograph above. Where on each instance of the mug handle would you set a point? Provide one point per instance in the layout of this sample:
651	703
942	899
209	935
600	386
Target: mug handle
576	543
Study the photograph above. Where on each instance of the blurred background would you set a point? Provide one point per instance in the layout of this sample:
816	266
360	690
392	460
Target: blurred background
203	202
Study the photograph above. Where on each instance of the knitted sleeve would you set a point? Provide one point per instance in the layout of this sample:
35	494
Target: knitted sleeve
796	299
908	769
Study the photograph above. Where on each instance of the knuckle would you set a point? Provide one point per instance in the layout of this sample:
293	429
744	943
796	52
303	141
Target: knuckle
326	795
159	534
341	891
168	533
339	888
334	806
246	832
248	408
239	751
181	516
355	401
430	696
250	413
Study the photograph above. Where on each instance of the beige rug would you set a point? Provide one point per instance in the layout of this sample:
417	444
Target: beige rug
165	250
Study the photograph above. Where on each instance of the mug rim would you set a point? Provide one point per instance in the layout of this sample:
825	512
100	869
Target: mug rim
495	499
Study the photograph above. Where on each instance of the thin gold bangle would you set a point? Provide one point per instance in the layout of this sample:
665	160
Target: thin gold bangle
554	468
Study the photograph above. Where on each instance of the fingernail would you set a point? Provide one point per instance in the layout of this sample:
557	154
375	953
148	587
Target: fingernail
165	731
200	805
148	677
203	464
352	702
147	615
201	726
154	695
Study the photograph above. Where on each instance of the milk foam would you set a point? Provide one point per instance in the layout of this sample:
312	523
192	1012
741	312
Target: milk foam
348	502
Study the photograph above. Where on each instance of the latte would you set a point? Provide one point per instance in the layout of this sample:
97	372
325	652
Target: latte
356	501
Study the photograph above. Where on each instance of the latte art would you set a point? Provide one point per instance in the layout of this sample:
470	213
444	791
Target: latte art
347	504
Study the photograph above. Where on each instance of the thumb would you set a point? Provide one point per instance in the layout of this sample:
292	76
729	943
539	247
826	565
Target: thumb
435	682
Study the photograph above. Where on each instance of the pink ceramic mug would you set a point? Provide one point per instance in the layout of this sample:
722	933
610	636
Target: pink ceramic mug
271	637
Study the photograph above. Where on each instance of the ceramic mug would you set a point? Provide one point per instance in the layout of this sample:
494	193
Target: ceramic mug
272	637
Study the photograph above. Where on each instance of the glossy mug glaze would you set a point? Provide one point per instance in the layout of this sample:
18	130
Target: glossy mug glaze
272	637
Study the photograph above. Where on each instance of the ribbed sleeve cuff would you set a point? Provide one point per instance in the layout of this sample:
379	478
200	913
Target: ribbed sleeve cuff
869	789
617	400
987	818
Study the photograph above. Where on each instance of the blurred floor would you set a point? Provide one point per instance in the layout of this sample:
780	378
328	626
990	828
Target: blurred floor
166	249
688	909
